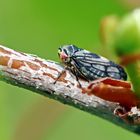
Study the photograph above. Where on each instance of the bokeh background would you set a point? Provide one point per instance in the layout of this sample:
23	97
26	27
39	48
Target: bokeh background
39	27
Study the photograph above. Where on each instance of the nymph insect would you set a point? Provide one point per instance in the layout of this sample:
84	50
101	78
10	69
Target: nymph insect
88	65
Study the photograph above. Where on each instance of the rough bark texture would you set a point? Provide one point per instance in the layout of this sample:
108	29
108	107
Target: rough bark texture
36	74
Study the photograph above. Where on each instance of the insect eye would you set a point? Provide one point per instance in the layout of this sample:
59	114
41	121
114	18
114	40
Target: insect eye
65	51
59	50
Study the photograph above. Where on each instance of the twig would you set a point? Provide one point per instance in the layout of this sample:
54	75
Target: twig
38	75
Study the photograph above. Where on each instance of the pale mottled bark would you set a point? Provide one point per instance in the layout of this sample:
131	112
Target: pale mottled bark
39	75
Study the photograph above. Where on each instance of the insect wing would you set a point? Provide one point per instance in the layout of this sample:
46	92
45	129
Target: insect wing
93	66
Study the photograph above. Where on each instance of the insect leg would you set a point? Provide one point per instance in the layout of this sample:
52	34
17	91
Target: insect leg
60	74
77	78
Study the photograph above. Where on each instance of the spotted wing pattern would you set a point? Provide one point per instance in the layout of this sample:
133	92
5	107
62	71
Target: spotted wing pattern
92	66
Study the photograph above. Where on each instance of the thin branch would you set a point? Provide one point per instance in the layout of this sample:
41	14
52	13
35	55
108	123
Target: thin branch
38	75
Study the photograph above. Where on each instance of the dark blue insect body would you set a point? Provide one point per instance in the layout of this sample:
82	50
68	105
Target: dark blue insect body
88	65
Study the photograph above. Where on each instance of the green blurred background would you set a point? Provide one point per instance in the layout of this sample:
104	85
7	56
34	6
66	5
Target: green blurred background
39	27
